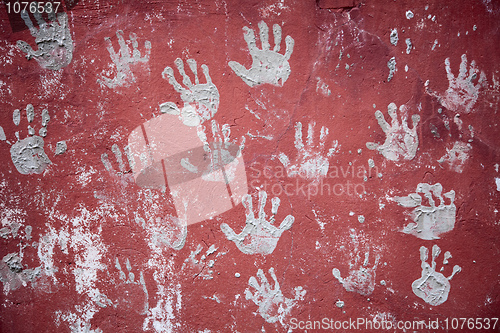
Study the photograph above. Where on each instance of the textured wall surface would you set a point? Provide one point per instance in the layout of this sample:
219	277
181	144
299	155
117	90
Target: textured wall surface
250	166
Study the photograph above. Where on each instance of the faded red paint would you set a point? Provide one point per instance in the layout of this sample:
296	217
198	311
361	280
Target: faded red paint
345	51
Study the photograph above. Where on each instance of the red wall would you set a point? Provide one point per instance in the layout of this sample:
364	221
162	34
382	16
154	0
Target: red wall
375	124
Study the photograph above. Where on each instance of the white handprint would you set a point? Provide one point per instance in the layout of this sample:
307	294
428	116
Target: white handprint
268	66
361	280
432	220
129	279
401	141
433	287
123	59
28	154
258	235
55	46
462	92
312	160
273	306
223	155
201	100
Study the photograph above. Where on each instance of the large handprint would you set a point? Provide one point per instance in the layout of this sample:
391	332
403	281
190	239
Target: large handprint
401	141
312	161
124	58
258	235
462	93
268	66
273	306
201	100
55	46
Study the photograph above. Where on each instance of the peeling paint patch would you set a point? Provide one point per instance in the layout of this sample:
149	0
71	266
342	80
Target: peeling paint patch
409	45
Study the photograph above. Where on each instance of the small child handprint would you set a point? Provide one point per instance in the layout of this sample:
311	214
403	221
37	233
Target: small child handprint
268	66
28	154
462	92
128	280
201	100
273	306
312	160
433	287
124	58
259	235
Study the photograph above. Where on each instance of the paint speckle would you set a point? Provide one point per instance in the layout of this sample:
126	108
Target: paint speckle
391	64
61	147
361	219
394	37
409	46
237	275
409	14
339	304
